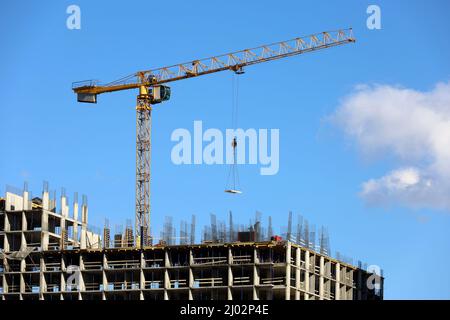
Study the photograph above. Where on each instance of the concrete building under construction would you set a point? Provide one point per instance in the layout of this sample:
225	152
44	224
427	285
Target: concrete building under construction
48	253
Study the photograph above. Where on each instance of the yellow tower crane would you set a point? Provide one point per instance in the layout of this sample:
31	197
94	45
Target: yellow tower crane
152	91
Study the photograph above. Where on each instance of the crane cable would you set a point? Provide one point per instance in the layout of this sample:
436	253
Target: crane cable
233	174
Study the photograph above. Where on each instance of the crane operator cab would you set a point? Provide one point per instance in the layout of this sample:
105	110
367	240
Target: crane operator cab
160	93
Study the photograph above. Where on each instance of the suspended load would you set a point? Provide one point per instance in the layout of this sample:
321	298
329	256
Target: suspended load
233	177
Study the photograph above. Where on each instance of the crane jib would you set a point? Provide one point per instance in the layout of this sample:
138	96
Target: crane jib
235	61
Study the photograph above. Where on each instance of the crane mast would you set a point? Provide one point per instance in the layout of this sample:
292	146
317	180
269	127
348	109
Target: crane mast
143	161
152	90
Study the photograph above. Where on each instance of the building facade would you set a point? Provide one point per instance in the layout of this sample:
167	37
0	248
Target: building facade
47	255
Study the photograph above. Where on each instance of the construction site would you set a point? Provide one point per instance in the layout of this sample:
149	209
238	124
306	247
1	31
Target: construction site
49	252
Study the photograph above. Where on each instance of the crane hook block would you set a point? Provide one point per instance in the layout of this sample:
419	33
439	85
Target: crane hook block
234	143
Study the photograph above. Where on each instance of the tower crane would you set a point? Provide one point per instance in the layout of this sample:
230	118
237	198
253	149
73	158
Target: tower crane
152	90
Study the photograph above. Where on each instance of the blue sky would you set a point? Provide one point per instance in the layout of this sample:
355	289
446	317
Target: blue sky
47	135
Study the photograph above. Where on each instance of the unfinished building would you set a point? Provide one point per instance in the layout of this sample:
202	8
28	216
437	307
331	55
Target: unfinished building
48	254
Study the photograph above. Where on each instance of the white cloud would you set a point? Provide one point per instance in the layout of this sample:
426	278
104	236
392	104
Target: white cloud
410	126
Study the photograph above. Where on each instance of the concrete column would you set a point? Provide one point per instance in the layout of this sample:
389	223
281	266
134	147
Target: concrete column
166	259
255	282
7	225
321	277
24	221
307	289
82	285
256	279
64	206
141	271
62	286
84	214
6	244
255	255
4	284
42	283
191	283
337	293
75	217
255	294
166	279
297	273
83	237
99	241
26	200
22	280
288	271
255	273
46	200
63	232
23	241
230	274
104	278
64	215
352	293
22	265
21	285
166	284
191	274
44	228
229	294
191	257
